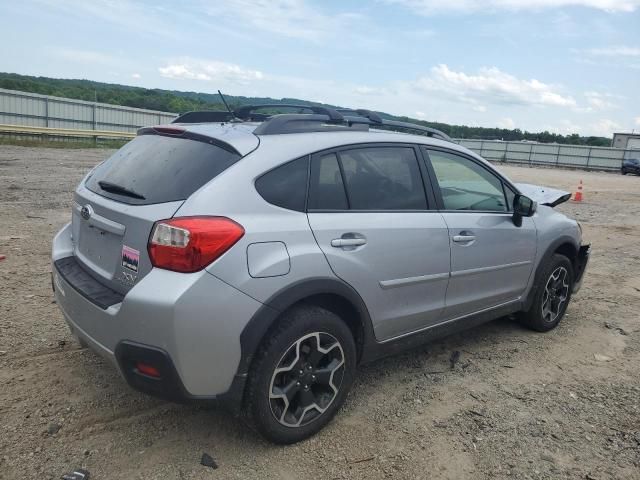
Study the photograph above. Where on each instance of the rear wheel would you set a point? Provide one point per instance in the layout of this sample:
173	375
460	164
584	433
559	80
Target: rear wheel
624	171
552	295
301	375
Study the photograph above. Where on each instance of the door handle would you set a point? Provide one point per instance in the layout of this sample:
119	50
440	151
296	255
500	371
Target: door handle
347	242
463	238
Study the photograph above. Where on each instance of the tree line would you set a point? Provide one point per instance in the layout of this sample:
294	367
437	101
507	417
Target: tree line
179	102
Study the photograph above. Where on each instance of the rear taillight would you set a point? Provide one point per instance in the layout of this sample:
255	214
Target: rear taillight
189	244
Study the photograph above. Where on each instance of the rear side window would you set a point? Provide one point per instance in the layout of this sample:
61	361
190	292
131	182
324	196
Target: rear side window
156	169
326	190
383	178
286	185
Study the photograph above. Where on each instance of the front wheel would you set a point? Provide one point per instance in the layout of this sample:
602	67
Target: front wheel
301	375
552	296
624	171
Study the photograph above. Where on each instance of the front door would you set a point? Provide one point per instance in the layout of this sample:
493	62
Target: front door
491	258
369	213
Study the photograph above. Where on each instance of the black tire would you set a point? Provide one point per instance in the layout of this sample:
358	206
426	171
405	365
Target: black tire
548	308
313	329
624	171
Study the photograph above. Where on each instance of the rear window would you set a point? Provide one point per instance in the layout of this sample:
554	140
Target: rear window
156	169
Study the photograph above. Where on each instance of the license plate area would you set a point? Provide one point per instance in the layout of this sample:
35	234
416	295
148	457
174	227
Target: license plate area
99	250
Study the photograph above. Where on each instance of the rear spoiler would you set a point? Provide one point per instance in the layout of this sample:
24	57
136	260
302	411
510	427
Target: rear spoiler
177	131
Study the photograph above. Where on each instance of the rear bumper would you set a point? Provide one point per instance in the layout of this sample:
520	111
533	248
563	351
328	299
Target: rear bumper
189	323
581	266
167	385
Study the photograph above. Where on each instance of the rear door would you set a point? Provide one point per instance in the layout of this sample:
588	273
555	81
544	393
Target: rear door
116	207
491	258
370	215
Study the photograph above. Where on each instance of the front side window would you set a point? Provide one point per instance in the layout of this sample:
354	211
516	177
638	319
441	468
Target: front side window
465	185
511	195
383	178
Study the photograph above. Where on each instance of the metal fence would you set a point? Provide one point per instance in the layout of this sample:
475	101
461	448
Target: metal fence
554	155
31	109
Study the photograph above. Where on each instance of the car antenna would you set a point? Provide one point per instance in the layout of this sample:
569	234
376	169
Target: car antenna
231	112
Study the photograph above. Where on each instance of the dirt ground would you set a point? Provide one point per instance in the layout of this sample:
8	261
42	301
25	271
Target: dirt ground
518	404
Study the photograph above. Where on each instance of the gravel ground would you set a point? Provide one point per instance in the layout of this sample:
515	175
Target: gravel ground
517	404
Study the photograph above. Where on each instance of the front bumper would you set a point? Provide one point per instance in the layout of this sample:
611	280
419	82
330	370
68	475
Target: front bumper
581	266
193	320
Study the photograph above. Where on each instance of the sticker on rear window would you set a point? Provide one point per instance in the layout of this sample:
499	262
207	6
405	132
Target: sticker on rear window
130	258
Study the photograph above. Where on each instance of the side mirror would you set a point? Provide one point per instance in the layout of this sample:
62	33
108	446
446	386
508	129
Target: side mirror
523	207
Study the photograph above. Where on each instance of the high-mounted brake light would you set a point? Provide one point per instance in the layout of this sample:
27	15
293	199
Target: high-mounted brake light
177	131
189	244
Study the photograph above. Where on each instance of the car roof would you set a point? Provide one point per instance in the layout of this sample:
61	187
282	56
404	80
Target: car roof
298	144
241	137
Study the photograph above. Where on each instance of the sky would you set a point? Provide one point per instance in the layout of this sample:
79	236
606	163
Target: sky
566	66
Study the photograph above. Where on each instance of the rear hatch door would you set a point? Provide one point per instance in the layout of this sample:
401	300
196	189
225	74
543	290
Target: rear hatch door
110	241
116	206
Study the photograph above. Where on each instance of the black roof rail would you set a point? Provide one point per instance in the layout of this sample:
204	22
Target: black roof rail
246	112
368	114
321	119
413	127
377	121
205	116
305	122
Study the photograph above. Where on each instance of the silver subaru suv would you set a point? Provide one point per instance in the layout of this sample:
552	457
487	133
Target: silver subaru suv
259	258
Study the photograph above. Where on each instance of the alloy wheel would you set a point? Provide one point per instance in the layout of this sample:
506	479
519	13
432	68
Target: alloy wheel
555	294
307	379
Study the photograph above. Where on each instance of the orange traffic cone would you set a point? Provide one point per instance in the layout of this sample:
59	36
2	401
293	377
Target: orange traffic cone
578	195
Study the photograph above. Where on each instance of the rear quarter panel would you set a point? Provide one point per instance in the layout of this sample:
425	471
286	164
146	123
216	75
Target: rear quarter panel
232	194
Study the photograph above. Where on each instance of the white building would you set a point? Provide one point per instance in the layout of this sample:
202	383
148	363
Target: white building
626	141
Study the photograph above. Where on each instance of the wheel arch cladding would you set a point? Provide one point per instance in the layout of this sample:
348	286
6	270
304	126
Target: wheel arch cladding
564	245
331	294
344	309
569	250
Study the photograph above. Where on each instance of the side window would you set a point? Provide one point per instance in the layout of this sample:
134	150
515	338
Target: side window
465	185
511	195
286	185
326	190
383	178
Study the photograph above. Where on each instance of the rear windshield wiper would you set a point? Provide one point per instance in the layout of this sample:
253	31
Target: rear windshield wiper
114	188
